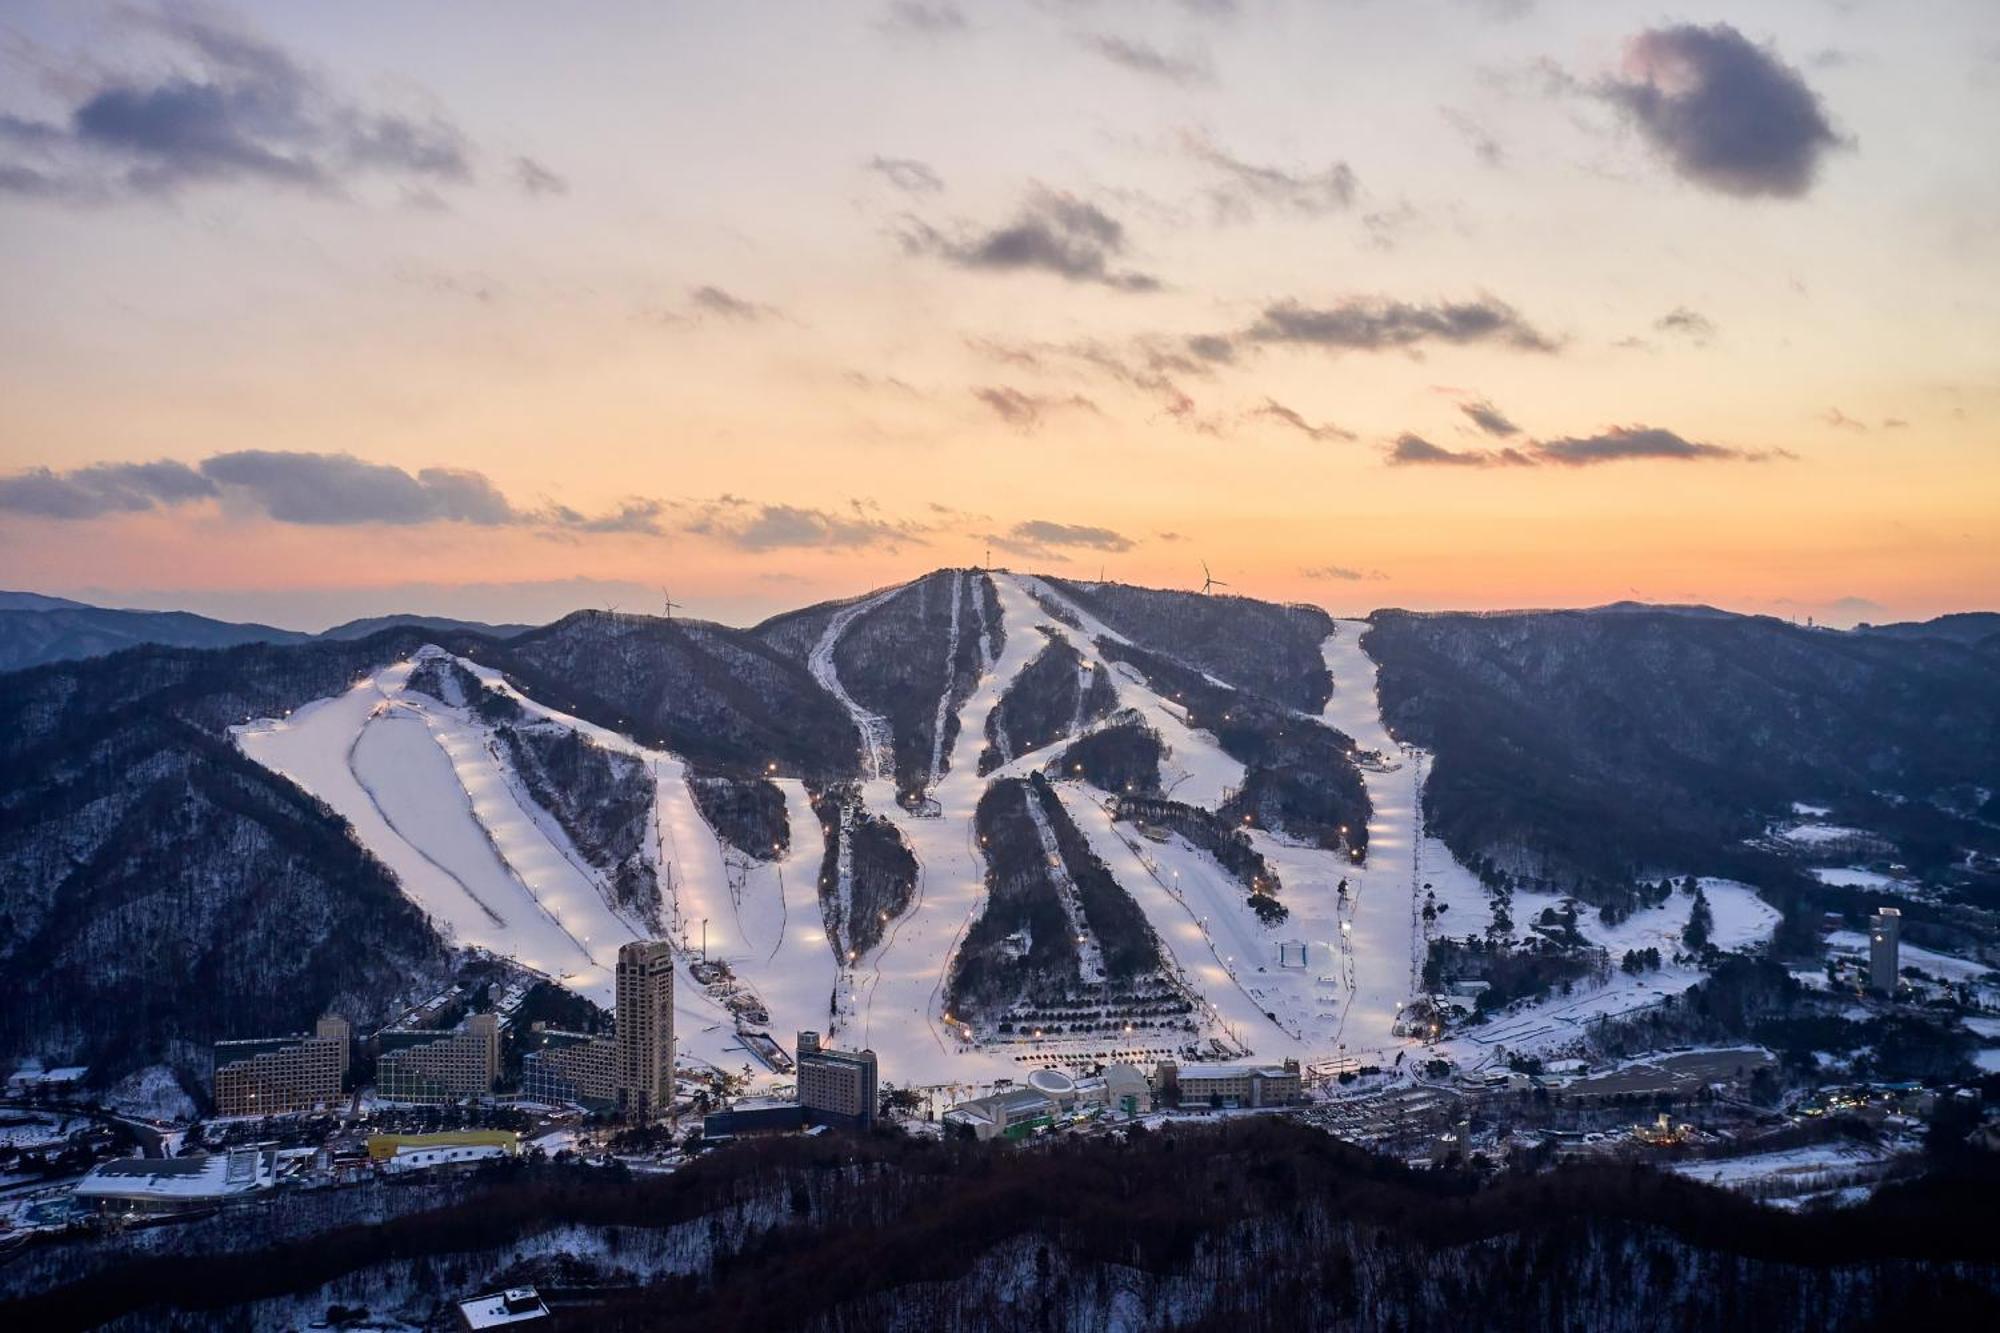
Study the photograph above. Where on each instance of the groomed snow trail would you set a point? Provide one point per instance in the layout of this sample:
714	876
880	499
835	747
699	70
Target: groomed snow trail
897	990
877	740
1196	770
950	677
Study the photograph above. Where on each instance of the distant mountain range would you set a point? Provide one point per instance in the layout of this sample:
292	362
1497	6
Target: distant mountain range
35	629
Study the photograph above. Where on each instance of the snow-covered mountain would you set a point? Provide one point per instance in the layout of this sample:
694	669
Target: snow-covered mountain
975	821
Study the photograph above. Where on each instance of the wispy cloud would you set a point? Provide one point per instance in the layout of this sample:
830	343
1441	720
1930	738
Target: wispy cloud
1325	430
751	526
1246	187
1411	450
1490	419
1041	539
1027	411
907	174
727	305
1144	58
537	179
1052	233
1342	574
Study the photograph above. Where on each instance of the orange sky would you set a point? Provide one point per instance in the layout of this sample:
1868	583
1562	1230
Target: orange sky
803	306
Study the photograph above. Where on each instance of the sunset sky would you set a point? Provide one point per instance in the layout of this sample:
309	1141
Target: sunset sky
498	310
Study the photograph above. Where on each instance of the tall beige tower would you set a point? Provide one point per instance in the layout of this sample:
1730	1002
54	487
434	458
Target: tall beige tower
646	1028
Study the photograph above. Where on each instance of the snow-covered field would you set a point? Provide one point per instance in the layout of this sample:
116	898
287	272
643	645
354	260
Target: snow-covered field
1790	1177
1854	944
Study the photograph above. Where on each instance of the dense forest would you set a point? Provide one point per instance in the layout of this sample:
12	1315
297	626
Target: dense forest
158	890
720	698
1055	695
1246	1225
1262	648
1587	750
867	877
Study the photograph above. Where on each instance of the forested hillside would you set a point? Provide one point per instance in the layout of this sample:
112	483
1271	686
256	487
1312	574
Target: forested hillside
1260	1224
158	890
1604	743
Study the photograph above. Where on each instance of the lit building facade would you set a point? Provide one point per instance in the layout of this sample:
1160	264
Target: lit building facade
646	1028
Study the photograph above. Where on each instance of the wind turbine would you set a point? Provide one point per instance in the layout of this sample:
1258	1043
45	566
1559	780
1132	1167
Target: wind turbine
669	605
1209	583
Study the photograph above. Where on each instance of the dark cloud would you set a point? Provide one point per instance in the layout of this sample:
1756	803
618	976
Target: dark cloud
1042	532
1054	233
1724	112
536	179
1277	411
1489	418
1839	420
234	108
907	174
1248	185
1212	347
927	18
727	305
1144	58
1414	450
1026	411
1374	325
314	490
105	488
636	515
340	489
750	526
1620	443
1688	323
1342	573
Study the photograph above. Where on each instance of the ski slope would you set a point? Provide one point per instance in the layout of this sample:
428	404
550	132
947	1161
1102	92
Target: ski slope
484	871
896	991
1195	770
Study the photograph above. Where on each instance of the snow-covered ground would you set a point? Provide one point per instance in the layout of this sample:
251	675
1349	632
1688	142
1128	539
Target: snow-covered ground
1854	877
1789	1177
1741	918
1817	835
1855	944
423	791
895	993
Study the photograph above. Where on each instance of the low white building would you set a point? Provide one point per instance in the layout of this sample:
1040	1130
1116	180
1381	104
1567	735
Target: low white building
157	1185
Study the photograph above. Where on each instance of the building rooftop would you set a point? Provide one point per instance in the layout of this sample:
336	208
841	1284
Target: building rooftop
208	1176
516	1305
1232	1071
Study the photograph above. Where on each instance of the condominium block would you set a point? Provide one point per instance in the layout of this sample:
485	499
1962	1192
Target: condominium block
280	1075
572	1067
432	1066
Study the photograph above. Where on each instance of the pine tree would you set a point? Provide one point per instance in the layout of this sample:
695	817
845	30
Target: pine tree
1701	922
